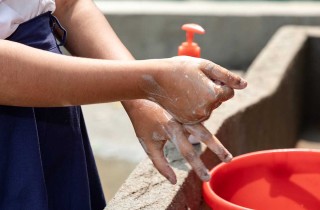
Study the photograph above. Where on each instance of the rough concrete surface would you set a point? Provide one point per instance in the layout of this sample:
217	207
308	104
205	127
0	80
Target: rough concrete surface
268	114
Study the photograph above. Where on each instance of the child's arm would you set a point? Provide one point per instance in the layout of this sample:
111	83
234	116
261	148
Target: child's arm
90	35
32	77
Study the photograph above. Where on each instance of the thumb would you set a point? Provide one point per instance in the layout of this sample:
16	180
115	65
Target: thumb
216	72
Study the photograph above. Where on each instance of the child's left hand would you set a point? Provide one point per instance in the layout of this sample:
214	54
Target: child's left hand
154	126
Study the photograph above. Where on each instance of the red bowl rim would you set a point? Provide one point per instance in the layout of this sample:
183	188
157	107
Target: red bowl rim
210	194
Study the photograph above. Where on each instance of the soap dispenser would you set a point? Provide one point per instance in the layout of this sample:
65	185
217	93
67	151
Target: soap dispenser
190	48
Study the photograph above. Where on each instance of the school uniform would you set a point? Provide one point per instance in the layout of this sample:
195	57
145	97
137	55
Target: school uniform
46	161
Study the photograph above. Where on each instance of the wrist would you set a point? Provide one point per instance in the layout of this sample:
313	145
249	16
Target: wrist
153	80
132	105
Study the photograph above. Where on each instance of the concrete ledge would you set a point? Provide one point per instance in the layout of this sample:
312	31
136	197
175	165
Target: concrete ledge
235	32
209	8
268	114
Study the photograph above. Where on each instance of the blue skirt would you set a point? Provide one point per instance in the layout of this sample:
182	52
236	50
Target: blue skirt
46	161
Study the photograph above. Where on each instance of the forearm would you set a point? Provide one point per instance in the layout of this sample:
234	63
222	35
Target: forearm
89	27
31	77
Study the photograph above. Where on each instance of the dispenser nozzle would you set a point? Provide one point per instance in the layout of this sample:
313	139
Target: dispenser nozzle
189	47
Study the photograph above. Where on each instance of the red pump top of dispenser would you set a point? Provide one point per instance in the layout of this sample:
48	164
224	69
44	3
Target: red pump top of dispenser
189	47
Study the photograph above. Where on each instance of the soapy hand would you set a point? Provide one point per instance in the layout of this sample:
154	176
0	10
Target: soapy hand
190	88
154	126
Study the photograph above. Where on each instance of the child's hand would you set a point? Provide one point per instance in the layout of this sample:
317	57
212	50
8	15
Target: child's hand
190	88
154	126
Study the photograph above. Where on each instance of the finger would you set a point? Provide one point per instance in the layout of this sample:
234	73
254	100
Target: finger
190	155
162	165
201	133
223	92
155	153
216	72
216	105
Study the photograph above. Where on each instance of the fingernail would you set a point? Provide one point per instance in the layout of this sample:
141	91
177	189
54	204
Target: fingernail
228	158
243	83
172	180
206	176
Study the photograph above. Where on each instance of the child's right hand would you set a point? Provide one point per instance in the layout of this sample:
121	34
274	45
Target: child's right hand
190	88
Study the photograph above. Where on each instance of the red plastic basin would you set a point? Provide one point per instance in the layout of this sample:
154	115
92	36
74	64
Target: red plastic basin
284	179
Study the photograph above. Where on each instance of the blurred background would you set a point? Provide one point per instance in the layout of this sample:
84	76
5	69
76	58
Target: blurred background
211	0
235	33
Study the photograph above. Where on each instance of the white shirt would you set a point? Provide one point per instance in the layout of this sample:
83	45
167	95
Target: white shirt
15	12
